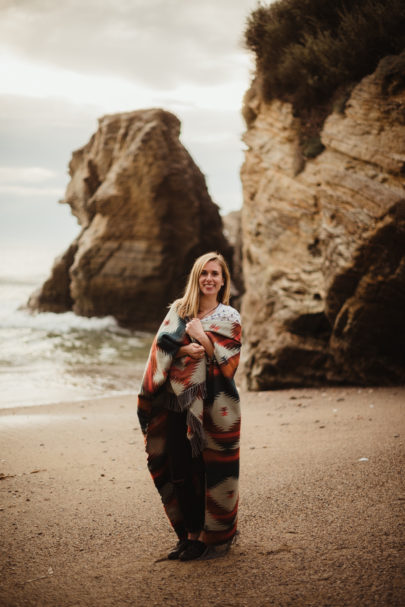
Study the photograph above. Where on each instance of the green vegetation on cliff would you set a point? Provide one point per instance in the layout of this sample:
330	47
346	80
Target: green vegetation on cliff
312	52
306	49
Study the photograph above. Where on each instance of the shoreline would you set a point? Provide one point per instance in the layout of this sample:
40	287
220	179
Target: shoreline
320	519
66	402
133	393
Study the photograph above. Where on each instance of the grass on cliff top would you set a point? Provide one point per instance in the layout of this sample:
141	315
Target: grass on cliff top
312	52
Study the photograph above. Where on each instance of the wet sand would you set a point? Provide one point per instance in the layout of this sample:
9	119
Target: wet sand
321	507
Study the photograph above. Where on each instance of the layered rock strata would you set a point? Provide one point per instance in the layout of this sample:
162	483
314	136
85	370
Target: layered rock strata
324	241
145	214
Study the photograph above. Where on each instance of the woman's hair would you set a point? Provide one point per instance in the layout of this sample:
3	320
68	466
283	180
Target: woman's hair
189	304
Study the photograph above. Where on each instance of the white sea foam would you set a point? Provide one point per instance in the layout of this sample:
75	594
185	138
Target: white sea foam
58	323
50	358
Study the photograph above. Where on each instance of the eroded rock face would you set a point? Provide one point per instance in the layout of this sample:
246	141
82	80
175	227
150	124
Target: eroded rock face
146	215
324	244
233	232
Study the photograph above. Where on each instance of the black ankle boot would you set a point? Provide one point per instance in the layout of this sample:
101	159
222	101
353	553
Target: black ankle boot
194	550
178	549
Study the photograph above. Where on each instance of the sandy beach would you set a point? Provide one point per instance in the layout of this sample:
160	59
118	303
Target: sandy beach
321	506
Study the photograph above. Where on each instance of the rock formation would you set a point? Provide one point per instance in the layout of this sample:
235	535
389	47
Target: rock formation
324	241
146	215
233	233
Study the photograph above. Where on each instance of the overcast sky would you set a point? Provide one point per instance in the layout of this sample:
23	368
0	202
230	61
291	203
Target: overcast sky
64	64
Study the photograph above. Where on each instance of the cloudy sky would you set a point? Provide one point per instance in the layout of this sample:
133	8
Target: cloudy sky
64	64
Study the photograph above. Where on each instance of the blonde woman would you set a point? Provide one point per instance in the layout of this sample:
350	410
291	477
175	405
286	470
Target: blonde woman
189	412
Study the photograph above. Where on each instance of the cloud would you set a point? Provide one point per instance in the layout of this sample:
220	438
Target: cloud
29	182
46	131
43	132
68	63
157	42
29	175
112	93
45	224
31	191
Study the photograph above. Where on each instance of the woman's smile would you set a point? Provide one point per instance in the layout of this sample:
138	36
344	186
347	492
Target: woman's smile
211	279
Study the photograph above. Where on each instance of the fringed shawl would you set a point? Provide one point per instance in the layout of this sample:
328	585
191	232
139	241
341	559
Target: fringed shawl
209	395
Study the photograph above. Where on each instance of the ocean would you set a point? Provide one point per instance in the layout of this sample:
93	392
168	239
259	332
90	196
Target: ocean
52	358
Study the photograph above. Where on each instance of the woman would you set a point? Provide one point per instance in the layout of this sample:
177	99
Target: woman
189	412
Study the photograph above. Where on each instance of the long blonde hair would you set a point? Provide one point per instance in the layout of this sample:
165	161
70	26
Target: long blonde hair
189	304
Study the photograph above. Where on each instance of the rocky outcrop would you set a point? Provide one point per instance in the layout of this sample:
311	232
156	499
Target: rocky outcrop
233	232
324	241
146	215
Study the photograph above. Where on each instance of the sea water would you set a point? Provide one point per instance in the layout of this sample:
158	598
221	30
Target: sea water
49	358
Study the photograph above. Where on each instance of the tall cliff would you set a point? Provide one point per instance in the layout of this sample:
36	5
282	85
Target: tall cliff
324	240
145	214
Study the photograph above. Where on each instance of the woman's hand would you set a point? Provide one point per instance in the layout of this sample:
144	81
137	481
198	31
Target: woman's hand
194	350
195	329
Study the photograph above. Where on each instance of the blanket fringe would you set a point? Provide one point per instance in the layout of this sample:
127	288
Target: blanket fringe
184	402
185	399
197	440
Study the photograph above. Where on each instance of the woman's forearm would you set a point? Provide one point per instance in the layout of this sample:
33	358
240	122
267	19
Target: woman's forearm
207	344
182	351
195	350
196	331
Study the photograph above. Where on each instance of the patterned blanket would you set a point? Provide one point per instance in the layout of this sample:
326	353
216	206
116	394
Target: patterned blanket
209	395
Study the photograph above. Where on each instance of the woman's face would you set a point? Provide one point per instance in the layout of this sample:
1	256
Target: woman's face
211	279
